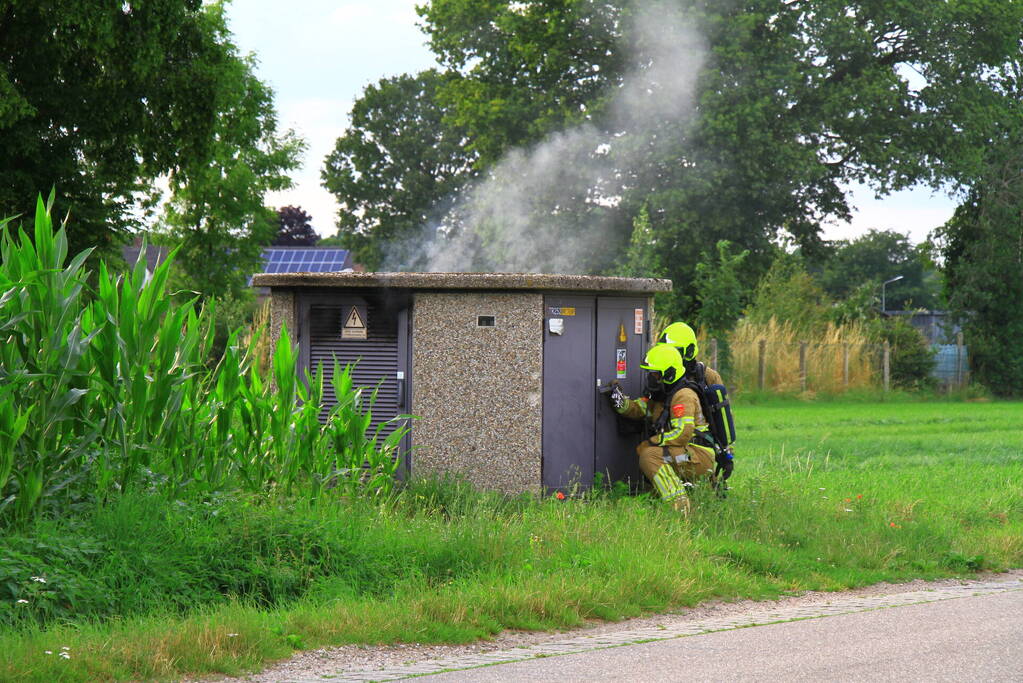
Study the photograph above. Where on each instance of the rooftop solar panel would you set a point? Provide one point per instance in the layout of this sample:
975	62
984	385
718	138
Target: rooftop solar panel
303	260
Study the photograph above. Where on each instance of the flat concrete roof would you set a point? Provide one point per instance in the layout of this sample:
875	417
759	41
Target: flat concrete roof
464	281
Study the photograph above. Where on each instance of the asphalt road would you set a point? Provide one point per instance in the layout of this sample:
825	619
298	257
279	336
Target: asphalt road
972	638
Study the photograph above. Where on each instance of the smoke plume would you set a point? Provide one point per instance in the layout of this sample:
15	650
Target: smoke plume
553	207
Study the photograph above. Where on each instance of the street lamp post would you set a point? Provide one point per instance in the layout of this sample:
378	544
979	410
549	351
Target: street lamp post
887	282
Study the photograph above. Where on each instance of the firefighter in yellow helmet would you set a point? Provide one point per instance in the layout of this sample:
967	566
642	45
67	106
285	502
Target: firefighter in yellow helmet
666	456
683	338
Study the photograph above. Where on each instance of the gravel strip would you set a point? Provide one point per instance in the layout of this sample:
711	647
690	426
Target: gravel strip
353	658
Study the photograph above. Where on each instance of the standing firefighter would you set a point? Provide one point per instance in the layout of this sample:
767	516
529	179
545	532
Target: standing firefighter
666	455
714	426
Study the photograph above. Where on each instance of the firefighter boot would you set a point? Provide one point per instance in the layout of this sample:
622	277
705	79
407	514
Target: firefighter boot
681	505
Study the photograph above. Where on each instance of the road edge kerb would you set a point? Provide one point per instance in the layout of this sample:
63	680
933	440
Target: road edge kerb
841	604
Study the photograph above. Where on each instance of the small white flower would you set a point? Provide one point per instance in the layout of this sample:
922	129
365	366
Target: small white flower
49	652
822	489
65	648
38	579
22	601
848	510
65	655
232	635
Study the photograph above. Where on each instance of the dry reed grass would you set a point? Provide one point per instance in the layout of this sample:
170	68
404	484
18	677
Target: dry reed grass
826	352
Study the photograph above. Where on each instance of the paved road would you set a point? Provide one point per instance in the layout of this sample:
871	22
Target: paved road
967	638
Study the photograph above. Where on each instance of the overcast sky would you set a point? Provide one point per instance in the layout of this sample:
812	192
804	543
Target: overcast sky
318	55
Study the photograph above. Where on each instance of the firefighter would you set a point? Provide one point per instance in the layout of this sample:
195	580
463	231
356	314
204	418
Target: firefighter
683	338
666	456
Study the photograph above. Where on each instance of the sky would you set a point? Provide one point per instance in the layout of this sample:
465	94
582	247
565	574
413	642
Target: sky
319	55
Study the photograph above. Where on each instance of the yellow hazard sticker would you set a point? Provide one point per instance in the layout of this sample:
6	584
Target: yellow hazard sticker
563	311
355	325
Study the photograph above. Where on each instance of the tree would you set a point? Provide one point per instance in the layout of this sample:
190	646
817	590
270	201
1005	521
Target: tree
789	294
793	101
982	245
216	211
394	166
294	229
878	256
99	99
719	287
983	249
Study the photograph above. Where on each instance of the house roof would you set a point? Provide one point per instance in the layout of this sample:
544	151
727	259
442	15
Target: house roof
154	255
466	281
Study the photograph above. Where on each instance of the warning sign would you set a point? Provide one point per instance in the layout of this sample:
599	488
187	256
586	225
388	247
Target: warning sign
638	322
620	368
355	325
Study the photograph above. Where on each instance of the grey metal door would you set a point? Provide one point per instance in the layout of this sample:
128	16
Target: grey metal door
621	332
568	394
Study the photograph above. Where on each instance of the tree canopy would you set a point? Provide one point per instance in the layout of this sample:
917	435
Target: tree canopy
99	99
742	121
878	256
294	229
394	167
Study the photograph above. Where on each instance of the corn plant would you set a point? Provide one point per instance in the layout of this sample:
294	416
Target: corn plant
108	390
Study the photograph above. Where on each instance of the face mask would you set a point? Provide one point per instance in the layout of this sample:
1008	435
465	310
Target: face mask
654	383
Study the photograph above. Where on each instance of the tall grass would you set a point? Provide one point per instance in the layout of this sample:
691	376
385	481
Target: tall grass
825	357
109	390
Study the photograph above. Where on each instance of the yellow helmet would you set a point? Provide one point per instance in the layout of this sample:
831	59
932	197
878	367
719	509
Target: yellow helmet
665	359
682	337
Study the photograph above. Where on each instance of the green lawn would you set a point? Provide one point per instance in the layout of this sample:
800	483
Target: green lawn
826	495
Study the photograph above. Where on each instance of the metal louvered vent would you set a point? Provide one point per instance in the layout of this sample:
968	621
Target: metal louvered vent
375	358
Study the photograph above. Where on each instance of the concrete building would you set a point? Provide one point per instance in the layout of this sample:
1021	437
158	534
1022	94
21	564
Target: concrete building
502	371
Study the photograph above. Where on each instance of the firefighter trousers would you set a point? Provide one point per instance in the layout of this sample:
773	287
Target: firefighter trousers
686	464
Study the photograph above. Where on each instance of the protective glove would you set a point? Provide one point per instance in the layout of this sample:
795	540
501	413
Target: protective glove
617	397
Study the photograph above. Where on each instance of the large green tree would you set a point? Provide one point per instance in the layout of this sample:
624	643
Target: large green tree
983	250
794	101
98	99
395	165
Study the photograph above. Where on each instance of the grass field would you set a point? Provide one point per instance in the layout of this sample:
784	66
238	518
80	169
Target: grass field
826	495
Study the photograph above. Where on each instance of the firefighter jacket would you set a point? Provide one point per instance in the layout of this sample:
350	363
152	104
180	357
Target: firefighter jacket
685	408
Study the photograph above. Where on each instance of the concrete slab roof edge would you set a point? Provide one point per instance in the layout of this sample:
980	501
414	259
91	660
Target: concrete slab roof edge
465	281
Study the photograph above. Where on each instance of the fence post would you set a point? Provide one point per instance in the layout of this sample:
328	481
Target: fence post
845	365
761	359
714	353
886	364
802	365
959	360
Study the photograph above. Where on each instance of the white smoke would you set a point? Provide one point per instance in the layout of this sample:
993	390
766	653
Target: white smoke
550	207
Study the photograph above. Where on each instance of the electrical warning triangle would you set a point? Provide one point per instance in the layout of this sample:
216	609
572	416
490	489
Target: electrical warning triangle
354	320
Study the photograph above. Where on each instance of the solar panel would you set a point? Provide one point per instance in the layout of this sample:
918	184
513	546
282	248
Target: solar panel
303	260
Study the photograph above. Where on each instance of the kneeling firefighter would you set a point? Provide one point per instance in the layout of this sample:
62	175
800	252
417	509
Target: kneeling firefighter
669	410
714	425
